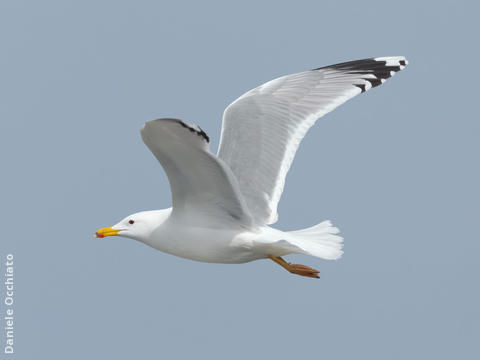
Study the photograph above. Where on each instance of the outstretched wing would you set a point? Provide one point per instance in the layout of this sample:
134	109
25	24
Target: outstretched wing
262	129
203	187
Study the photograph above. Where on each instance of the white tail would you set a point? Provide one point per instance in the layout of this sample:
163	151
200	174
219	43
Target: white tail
319	240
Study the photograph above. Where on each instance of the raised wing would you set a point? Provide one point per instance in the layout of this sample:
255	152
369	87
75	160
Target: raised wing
262	129
203	187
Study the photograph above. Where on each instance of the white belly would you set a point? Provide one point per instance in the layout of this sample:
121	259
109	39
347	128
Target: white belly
206	244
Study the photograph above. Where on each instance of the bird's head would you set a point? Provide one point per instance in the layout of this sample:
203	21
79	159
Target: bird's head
137	226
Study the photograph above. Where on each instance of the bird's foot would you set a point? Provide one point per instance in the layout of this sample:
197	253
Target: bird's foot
303	270
297	269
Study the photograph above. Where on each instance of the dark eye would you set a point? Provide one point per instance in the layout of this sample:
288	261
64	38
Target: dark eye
131	222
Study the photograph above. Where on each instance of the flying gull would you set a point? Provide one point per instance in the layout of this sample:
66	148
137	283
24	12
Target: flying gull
222	205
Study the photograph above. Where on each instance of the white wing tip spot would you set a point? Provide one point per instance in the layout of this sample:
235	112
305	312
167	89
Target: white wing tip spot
393	60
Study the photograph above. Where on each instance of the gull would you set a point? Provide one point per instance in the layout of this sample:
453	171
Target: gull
222	205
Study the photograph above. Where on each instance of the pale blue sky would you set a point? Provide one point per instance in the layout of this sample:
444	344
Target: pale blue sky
396	169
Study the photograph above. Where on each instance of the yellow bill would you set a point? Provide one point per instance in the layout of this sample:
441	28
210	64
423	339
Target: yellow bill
108	231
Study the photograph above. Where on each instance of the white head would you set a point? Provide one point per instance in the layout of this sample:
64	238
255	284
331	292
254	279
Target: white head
137	226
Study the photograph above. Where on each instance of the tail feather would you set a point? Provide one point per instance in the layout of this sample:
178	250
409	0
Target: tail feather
320	240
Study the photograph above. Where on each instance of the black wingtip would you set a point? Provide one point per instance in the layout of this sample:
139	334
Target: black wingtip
199	132
192	128
373	81
361	86
381	68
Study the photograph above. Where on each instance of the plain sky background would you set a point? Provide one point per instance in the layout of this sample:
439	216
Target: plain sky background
396	169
